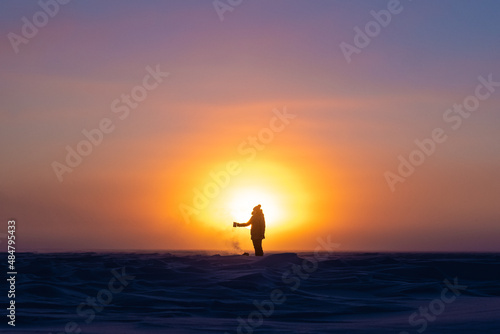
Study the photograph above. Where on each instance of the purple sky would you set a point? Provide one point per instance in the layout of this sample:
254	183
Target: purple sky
354	119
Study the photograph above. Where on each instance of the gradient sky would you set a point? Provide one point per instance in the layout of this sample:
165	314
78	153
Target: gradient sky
322	175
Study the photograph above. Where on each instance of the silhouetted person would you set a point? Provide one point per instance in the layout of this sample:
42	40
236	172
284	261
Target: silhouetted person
258	229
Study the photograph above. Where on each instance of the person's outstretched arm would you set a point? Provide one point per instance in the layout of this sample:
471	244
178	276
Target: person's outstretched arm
244	224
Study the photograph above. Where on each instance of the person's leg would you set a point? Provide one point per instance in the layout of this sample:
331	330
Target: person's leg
257	245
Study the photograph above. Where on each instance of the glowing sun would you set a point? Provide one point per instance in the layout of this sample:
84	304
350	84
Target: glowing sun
242	202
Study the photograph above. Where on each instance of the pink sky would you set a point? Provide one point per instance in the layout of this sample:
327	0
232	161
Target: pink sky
325	169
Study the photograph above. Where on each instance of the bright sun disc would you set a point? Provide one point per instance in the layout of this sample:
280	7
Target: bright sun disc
243	202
